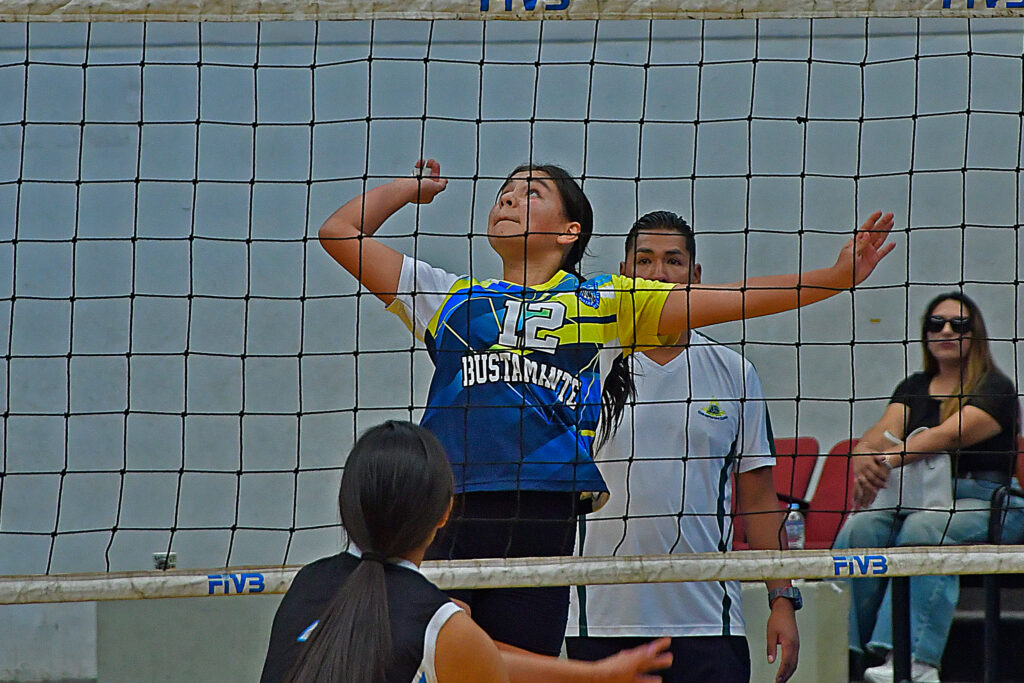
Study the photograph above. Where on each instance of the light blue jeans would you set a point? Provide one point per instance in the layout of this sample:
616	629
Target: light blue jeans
932	598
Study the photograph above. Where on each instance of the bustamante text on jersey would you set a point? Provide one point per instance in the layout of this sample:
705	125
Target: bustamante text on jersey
505	366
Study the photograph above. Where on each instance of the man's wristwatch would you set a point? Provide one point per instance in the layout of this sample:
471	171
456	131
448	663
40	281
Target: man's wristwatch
791	593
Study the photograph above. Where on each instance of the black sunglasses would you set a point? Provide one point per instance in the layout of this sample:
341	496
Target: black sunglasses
935	323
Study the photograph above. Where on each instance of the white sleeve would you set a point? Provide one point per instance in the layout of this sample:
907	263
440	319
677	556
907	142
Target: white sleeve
755	449
422	290
440	618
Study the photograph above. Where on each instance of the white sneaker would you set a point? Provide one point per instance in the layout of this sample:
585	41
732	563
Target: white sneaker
885	673
924	673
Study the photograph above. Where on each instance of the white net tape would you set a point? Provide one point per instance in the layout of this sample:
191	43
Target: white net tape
283	10
534	572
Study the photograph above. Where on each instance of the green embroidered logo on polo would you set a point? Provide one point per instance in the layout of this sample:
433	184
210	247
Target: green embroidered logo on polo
713	410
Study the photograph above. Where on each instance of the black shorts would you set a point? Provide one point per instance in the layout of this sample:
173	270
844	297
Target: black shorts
513	524
695	659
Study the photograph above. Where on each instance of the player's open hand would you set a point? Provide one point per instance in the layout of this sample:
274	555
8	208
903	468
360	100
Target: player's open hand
861	254
429	183
634	665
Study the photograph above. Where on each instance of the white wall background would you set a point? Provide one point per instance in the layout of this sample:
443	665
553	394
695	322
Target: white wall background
165	309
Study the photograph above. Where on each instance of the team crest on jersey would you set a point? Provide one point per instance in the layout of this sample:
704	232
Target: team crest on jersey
713	410
588	294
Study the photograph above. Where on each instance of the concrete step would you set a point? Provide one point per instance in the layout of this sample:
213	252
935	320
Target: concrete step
973	597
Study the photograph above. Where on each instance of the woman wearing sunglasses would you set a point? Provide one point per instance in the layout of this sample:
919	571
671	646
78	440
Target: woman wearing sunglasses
959	403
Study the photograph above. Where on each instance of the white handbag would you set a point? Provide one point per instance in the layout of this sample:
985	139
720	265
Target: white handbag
925	484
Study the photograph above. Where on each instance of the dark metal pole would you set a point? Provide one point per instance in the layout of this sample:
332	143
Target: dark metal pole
991	584
901	628
991	628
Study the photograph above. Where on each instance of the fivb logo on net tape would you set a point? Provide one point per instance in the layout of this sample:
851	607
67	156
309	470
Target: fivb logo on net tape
528	5
859	565
228	584
990	4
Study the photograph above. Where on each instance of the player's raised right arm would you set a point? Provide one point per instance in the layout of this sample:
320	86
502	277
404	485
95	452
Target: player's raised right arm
347	234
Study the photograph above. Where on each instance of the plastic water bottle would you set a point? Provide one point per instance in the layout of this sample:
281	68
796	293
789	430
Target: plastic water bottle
795	527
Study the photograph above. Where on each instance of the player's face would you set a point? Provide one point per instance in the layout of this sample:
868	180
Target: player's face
947	344
528	204
661	255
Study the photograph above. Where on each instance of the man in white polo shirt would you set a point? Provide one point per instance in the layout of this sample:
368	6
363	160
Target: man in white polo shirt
697	416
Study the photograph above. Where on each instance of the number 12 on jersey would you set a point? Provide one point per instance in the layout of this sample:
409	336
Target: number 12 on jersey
525	321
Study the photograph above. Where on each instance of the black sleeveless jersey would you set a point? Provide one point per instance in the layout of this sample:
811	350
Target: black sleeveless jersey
418	610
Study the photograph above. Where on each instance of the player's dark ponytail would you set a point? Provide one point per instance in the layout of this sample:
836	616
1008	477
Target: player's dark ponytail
396	487
619	387
575	206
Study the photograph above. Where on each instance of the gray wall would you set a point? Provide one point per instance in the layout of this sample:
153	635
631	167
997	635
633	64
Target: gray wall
48	642
169	315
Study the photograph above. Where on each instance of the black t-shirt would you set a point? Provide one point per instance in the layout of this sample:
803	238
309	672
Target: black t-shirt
995	394
413	604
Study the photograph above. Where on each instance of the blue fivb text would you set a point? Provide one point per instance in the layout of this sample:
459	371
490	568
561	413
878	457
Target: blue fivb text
859	565
990	4
528	5
228	584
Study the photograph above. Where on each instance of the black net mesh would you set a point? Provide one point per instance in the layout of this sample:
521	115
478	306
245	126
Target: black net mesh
185	368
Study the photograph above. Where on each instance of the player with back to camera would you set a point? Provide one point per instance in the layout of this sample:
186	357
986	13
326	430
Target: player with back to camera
515	395
369	616
676	422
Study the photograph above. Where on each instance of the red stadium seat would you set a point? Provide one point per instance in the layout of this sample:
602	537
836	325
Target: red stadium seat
794	464
832	499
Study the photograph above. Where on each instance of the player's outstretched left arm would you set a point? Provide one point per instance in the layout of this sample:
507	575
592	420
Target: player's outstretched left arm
690	306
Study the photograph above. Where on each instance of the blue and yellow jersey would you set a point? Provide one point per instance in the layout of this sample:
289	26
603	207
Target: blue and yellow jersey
516	392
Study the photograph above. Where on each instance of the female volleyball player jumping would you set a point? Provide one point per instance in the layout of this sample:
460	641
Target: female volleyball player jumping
516	392
370	616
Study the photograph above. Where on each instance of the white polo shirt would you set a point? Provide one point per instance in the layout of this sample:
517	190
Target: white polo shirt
697	419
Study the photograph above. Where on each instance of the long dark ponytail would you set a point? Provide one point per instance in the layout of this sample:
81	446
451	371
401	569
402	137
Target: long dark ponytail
575	206
619	387
396	487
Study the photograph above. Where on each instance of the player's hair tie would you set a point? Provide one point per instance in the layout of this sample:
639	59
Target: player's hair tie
371	556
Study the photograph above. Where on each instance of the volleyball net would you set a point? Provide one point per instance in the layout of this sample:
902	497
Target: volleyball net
184	368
